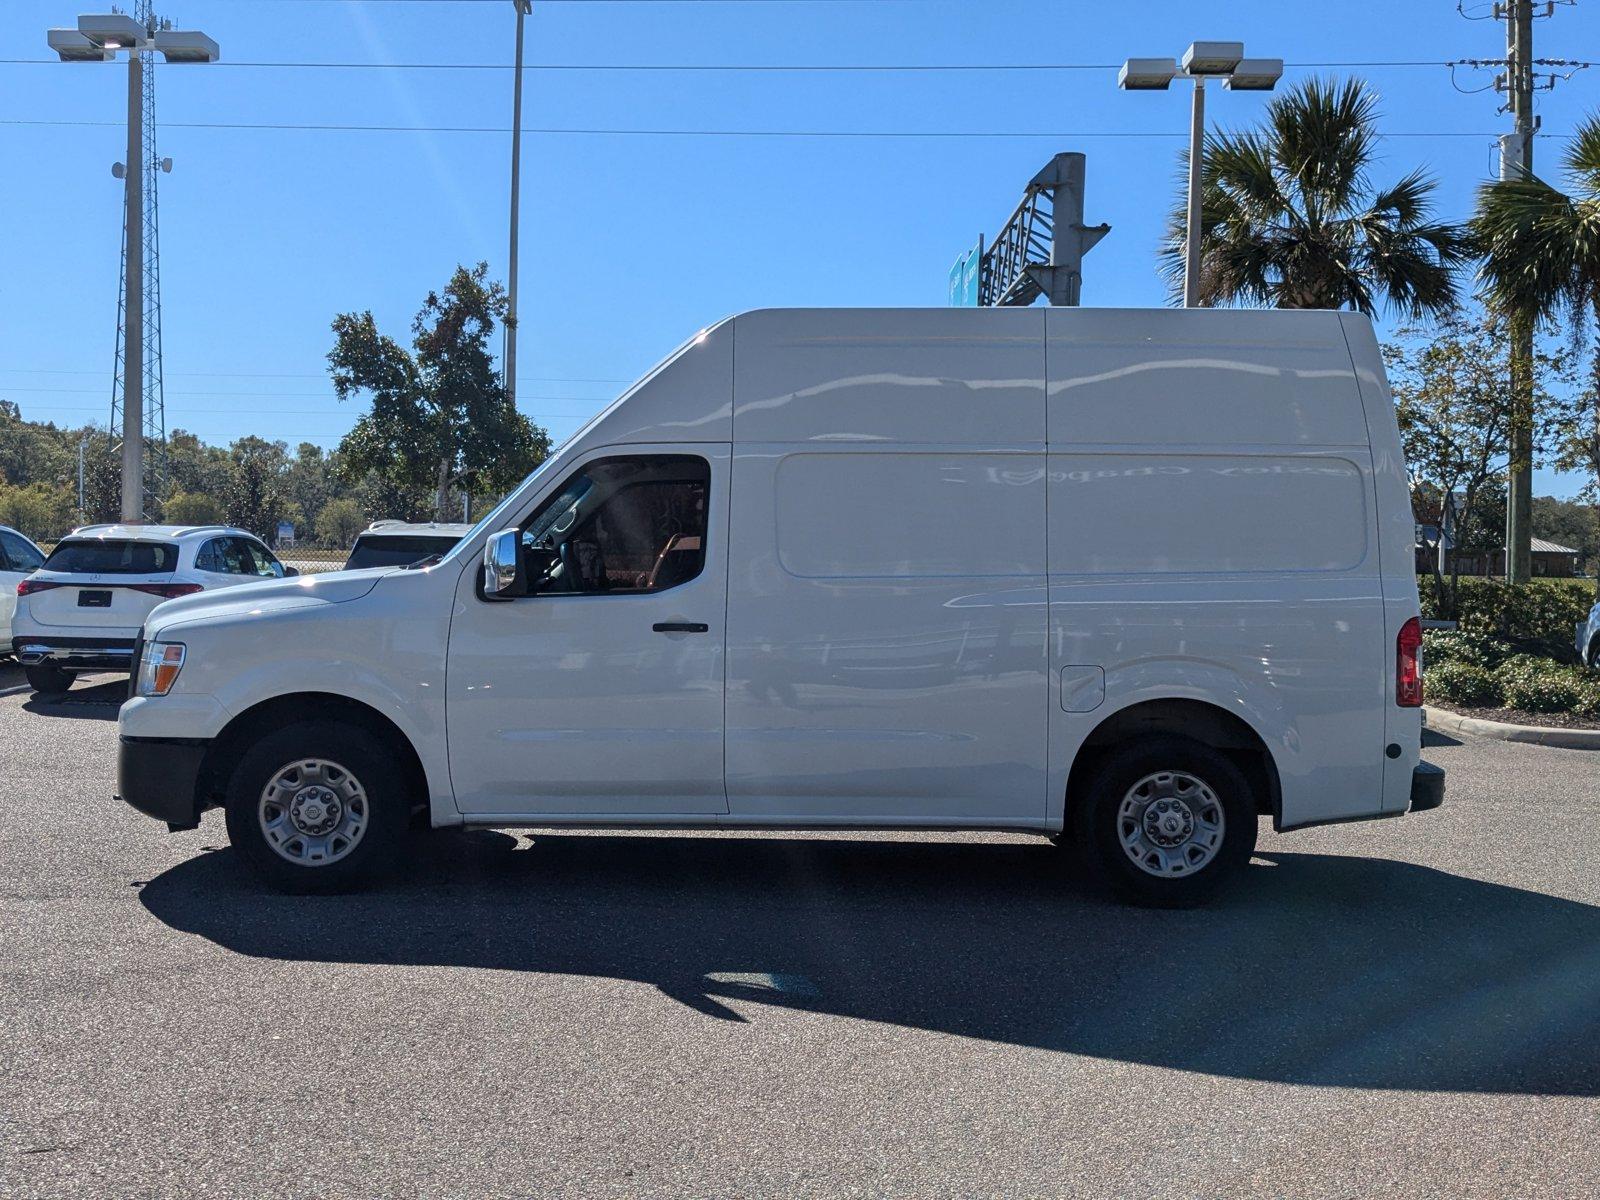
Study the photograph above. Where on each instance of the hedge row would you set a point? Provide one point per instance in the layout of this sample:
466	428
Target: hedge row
1536	617
1478	671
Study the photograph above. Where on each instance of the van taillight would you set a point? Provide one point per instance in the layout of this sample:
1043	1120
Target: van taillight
167	591
1408	665
28	587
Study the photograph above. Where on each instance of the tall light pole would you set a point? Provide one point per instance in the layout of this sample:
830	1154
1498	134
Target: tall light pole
524	10
99	38
1201	61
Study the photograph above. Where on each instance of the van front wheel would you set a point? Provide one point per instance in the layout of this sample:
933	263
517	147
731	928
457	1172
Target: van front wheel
317	807
1166	821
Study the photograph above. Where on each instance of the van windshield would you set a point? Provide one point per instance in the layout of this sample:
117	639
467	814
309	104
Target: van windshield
113	558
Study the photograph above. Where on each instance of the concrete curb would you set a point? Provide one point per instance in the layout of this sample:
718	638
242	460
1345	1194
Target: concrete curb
1444	721
15	691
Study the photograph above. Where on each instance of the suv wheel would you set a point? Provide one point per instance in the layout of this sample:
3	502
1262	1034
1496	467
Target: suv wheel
48	679
317	807
1166	821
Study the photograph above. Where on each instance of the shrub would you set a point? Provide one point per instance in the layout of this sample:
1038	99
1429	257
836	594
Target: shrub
1538	616
1440	646
1465	683
1553	689
1588	704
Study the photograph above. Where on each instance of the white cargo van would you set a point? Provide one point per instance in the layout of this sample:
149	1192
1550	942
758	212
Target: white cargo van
1137	578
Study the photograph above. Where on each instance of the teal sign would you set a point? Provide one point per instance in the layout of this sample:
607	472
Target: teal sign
964	277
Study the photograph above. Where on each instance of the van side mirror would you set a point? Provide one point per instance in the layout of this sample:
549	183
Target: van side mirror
290	572
503	576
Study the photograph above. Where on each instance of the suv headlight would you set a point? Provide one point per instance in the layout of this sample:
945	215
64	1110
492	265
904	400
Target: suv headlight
158	668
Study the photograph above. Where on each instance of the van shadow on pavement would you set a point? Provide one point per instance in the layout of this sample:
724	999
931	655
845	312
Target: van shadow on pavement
85	702
1314	969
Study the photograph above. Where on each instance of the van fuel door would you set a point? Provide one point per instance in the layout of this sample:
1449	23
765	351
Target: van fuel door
1083	688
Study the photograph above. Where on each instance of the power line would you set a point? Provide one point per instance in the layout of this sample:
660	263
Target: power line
757	68
719	133
241	375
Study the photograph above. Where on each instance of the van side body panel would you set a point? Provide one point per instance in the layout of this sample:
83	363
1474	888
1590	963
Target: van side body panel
886	636
1212	537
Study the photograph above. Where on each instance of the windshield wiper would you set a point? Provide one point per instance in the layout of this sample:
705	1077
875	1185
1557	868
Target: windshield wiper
423	562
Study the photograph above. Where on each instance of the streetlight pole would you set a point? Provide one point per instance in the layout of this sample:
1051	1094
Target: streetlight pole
99	38
524	8
1201	61
1191	239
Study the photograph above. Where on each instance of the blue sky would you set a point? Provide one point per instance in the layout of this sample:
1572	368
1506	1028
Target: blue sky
633	241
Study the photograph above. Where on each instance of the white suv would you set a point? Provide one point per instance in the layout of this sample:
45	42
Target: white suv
399	544
83	609
18	557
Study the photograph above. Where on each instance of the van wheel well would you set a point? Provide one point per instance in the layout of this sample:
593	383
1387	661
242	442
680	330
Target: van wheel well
249	726
1196	719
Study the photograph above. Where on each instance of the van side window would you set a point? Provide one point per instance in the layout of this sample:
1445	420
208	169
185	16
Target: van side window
632	524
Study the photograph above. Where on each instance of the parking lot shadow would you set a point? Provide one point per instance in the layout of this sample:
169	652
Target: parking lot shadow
98	702
1315	969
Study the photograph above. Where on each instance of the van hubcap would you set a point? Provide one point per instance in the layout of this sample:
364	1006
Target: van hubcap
313	812
1170	824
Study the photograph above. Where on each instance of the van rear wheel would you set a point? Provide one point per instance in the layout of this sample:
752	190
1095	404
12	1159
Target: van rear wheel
317	807
1166	821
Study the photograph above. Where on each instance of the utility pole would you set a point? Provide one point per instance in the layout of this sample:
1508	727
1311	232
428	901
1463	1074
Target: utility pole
524	9
1516	162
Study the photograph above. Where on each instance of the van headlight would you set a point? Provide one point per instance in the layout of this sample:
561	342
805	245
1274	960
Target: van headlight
158	668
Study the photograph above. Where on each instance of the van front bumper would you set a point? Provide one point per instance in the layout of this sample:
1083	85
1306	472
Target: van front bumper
157	776
1427	787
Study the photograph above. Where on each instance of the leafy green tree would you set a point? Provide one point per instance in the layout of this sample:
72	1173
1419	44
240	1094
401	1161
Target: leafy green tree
1290	218
1574	523
102	479
440	418
34	453
255	496
192	508
309	482
195	467
339	522
1452	391
40	510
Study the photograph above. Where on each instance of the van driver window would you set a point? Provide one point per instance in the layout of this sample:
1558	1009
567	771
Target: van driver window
621	525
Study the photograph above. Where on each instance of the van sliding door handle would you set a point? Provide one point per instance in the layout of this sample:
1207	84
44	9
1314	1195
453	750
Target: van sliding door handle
680	627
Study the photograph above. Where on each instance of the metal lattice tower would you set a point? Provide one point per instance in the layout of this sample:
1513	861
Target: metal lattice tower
155	419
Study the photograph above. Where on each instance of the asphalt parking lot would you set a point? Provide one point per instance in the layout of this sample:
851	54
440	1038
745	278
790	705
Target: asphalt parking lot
1408	1007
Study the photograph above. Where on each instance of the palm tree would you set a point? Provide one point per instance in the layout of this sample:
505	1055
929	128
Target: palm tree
1541	247
1541	261
1290	218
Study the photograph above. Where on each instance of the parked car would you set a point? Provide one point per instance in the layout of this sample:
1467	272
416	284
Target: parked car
19	556
1588	639
82	609
399	544
1132	580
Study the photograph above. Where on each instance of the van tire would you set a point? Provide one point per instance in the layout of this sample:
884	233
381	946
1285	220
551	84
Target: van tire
1099	828
48	680
347	752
